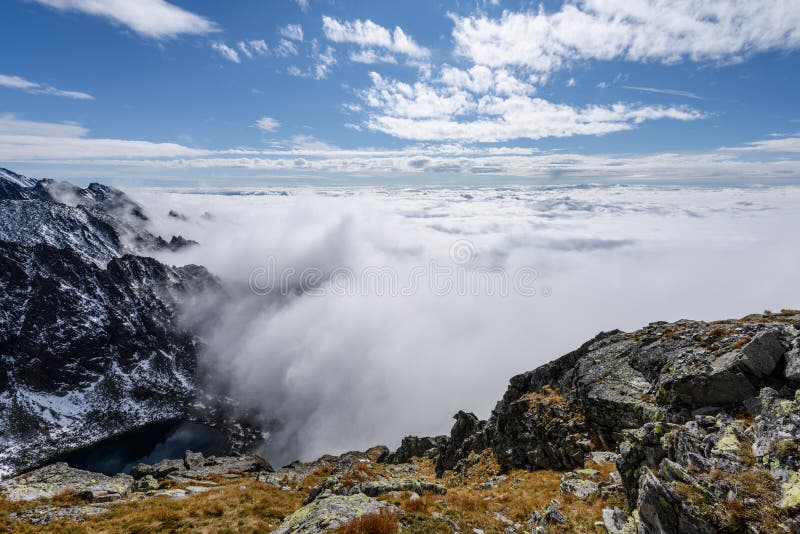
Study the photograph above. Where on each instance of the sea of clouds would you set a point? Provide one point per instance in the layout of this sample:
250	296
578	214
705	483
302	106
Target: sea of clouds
341	366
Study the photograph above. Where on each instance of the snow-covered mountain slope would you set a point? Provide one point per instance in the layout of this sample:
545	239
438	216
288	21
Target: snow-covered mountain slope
91	344
14	178
32	222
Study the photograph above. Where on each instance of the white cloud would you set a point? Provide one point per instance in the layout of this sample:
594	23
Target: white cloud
474	107
16	82
303	4
784	144
571	82
285	48
368	34
616	257
256	47
267	124
22	140
70	144
674	92
370	57
634	30
323	59
292	31
226	51
156	19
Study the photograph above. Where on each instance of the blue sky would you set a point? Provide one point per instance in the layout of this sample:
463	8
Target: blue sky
243	91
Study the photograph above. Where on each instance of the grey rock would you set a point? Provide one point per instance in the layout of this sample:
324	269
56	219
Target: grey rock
614	520
330	513
661	510
763	353
193	460
42	515
57	478
413	446
792	369
577	485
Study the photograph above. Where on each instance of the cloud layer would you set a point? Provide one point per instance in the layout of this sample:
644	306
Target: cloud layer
347	371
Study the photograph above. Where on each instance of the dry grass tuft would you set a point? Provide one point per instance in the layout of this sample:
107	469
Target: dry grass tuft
381	523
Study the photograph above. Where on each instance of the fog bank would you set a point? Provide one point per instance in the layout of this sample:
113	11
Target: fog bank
347	366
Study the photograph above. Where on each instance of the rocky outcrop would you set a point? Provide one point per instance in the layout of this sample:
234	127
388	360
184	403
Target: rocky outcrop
703	416
415	447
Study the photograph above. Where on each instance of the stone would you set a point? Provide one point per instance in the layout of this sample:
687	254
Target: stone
575	484
661	510
614	520
165	467
193	460
146	483
43	515
792	369
790	493
330	513
416	447
763	353
58	478
420	487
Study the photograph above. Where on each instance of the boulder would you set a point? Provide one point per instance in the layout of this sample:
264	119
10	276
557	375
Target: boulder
661	510
330	513
763	353
193	460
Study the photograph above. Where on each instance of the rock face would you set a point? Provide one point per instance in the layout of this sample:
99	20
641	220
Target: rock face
704	418
90	341
331	513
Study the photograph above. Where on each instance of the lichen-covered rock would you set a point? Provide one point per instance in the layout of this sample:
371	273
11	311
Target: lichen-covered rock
578	486
662	511
414	485
777	430
41	515
540	431
58	478
330	513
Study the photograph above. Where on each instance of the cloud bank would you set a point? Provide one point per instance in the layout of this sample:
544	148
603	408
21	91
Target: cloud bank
347	371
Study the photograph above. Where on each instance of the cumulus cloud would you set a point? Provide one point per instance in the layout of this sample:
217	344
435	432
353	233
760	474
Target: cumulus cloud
635	30
252	48
371	57
226	51
285	48
292	31
155	19
17	82
368	34
322	61
343	371
268	124
482	106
